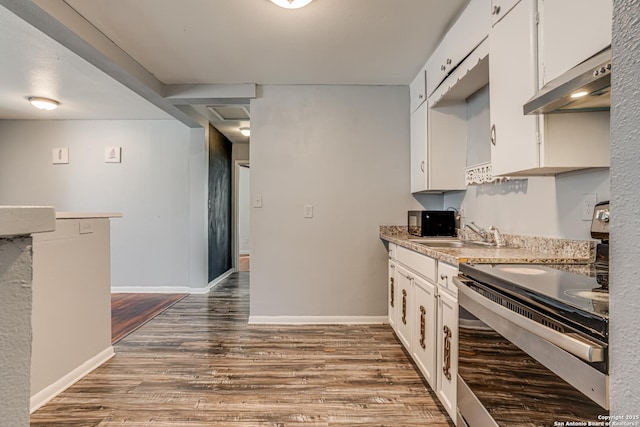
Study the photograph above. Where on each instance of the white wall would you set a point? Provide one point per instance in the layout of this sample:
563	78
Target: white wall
160	187
625	227
344	150
537	206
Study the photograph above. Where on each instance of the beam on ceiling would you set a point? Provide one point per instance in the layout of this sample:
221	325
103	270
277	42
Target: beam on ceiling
202	94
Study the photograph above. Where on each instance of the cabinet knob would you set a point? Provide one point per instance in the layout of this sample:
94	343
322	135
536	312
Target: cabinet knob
420	96
443	277
496	10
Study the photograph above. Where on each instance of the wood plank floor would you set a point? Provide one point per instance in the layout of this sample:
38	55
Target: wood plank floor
130	311
200	364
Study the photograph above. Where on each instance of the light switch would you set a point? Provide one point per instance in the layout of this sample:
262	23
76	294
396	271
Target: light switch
308	211
257	200
85	227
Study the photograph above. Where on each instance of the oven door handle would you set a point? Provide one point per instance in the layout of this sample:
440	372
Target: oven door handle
572	343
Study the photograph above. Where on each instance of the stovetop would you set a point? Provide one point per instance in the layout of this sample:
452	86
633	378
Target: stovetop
570	296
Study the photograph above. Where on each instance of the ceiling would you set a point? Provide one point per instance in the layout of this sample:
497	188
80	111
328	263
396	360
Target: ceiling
129	54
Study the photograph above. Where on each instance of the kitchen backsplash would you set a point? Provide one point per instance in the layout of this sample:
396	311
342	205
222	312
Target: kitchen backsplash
547	245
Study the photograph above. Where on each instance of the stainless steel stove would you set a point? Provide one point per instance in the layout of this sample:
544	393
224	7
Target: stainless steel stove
533	340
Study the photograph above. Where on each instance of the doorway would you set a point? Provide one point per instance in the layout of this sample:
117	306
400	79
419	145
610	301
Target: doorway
244	198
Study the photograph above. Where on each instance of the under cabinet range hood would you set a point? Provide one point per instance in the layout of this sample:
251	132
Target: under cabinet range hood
586	87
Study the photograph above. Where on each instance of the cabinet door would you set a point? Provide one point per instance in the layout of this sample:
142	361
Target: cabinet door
500	8
391	295
513	77
571	31
447	356
403	311
418	149
424	344
436	67
417	89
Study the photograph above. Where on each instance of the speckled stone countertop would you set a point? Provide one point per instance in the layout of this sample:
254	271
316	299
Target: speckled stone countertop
527	250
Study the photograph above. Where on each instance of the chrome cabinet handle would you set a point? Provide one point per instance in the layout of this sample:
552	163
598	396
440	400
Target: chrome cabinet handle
443	277
422	166
448	61
493	135
446	364
496	10
393	291
404	306
442	67
423	313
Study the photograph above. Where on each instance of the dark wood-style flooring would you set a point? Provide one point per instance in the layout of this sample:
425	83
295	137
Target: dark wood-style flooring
200	364
130	311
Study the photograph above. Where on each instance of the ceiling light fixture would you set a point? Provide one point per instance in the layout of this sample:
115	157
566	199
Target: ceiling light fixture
291	4
245	131
43	103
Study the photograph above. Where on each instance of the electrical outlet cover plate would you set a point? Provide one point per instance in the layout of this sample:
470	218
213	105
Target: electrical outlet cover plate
589	201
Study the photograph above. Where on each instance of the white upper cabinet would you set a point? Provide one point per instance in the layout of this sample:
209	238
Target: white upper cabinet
545	144
469	30
571	31
419	159
500	9
512	81
418	89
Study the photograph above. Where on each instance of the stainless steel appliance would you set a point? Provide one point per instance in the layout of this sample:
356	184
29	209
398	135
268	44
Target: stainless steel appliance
586	87
533	341
432	223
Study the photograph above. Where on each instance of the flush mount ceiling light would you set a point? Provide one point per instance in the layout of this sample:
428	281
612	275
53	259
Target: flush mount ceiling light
245	131
291	4
43	103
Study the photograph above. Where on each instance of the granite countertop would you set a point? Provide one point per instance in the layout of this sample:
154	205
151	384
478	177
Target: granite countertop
531	250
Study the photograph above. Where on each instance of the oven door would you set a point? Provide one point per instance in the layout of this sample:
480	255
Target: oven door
508	375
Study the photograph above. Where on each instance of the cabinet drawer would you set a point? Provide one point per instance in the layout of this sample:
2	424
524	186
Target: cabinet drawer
418	89
392	250
446	273
421	264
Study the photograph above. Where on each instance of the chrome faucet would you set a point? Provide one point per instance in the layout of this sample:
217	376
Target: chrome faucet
498	236
478	230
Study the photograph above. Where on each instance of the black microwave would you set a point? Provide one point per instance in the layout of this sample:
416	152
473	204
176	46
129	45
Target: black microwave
432	223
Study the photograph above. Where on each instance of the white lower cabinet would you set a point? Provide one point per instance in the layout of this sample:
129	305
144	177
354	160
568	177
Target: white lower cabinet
424	344
391	294
404	280
447	357
424	316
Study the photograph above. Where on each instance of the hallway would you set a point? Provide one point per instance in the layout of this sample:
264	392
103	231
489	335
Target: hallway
200	364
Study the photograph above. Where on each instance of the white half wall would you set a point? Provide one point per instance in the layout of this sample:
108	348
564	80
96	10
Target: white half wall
160	188
344	150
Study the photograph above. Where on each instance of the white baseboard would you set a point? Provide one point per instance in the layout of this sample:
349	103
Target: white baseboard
170	289
212	284
317	320
51	391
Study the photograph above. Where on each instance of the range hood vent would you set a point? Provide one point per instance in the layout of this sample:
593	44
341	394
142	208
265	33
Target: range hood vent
591	78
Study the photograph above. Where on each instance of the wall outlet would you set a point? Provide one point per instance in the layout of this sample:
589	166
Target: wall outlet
589	201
